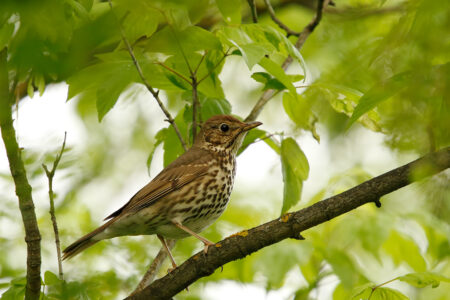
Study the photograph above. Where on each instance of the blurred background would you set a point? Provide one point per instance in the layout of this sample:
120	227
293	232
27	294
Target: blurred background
393	52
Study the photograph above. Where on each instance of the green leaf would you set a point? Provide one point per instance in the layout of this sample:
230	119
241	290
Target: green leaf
252	53
291	151
141	20
51	278
16	289
298	109
343	267
40	82
213	106
383	293
404	249
6	32
172	145
295	170
277	71
230	10
30	88
172	41
159	137
424	279
268	81
108	79
362	291
251	136
380	92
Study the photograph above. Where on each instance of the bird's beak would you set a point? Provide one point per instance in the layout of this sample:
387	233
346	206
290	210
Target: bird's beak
251	125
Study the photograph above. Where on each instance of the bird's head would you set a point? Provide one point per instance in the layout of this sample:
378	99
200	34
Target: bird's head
223	133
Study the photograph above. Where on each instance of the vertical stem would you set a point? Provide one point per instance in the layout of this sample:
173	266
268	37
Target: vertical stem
195	108
252	5
23	188
51	194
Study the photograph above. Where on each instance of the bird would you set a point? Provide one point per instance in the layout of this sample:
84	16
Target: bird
186	197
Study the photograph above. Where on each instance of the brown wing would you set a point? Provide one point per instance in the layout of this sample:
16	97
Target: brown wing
190	165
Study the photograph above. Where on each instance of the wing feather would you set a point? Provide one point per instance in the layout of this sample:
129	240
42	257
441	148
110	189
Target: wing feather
186	168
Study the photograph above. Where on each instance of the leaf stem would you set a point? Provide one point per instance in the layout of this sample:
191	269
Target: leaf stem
212	70
380	285
175	72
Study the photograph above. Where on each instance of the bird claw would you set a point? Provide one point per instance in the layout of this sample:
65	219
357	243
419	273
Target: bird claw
207	244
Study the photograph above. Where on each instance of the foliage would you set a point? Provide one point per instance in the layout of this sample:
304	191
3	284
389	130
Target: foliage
380	64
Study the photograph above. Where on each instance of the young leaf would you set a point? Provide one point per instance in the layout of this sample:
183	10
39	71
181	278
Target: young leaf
268	81
424	279
251	136
6	31
291	151
380	92
295	169
159	137
230	10
277	71
383	293
404	249
51	279
362	291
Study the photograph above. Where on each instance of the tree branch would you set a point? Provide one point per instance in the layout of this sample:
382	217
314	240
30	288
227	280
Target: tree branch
278	21
23	188
291	225
268	94
51	195
154	92
253	10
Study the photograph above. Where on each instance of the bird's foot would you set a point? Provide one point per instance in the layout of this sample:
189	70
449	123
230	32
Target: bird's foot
207	244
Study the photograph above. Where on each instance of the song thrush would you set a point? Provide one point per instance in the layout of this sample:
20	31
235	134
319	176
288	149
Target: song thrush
186	197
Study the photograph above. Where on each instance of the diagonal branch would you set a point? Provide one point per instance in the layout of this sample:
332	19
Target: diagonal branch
50	174
154	92
268	94
278	21
291	225
23	187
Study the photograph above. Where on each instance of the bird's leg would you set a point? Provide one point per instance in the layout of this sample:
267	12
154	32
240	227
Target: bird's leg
163	241
206	242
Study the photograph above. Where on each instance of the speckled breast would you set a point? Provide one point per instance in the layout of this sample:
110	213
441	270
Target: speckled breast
201	202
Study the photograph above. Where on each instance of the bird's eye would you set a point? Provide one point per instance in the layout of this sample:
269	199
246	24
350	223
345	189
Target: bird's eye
224	127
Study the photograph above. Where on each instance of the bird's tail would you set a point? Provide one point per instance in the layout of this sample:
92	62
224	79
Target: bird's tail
85	241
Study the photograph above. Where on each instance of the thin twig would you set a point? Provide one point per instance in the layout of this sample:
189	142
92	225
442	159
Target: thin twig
154	92
278	21
253	9
51	195
200	63
154	267
195	107
212	70
268	94
380	285
175	72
